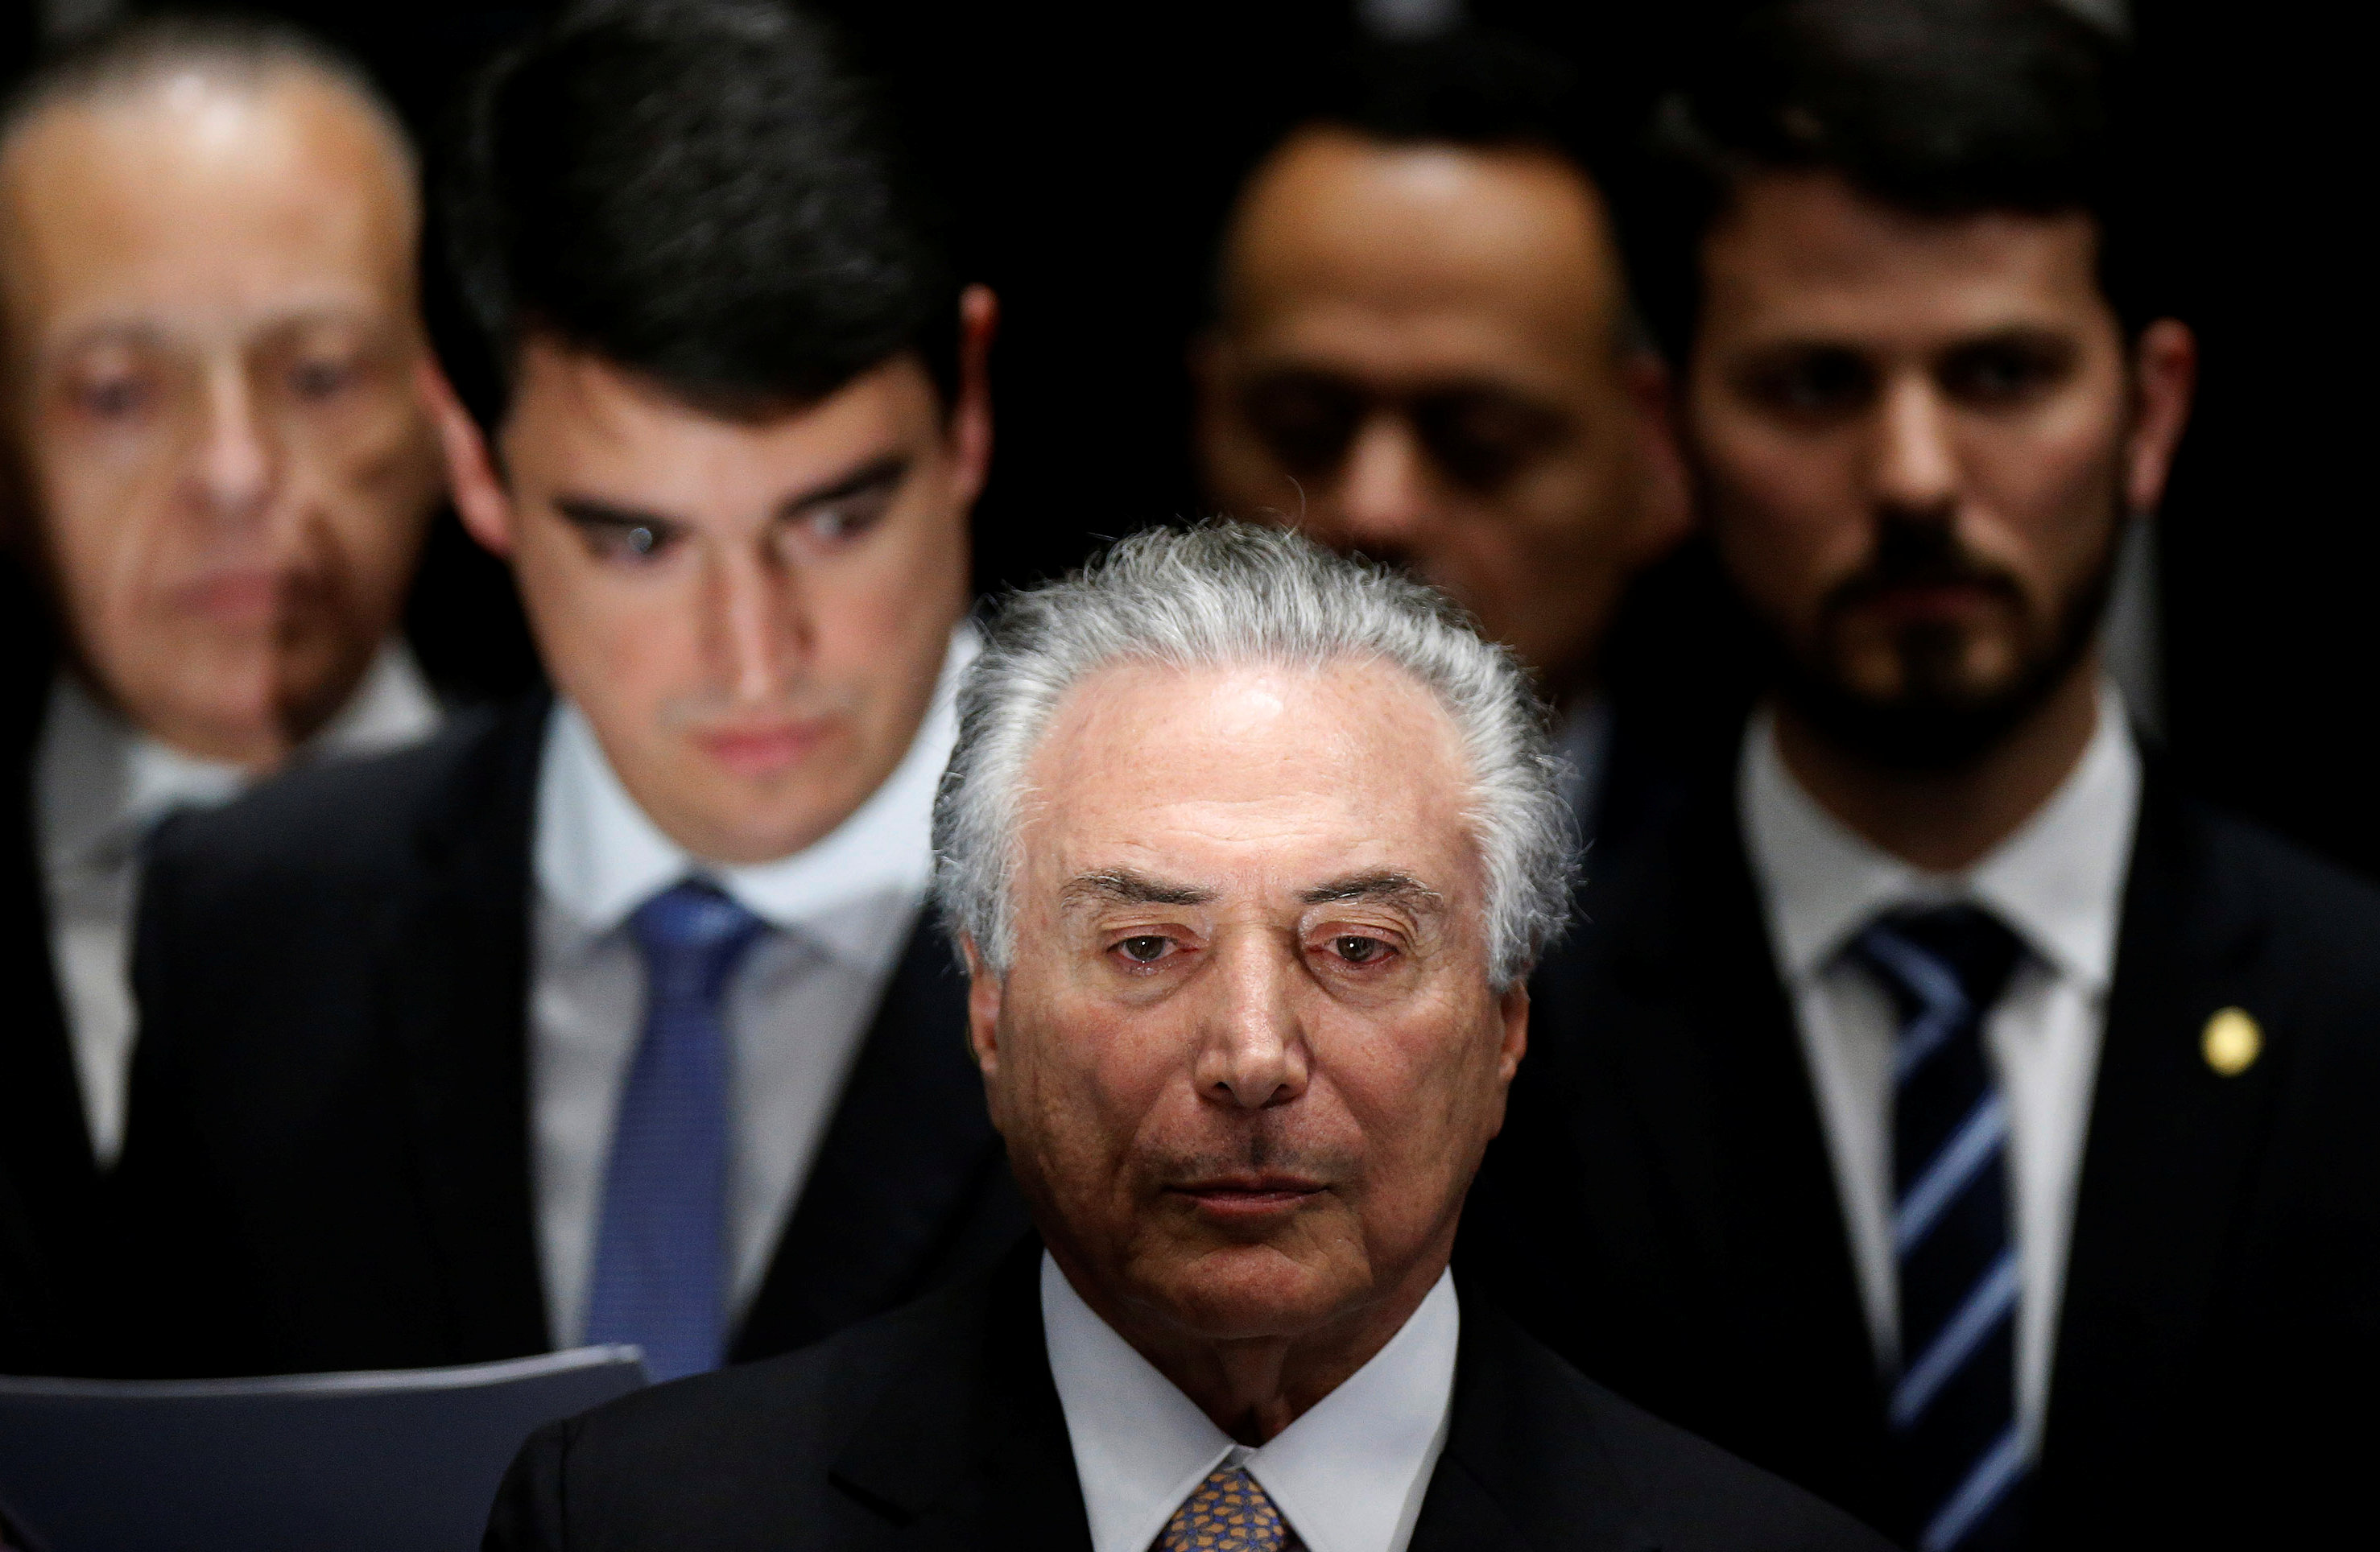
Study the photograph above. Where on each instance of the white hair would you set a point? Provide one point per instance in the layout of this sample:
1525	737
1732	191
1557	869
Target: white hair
1224	595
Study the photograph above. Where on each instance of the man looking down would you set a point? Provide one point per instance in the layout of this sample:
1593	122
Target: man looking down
617	1018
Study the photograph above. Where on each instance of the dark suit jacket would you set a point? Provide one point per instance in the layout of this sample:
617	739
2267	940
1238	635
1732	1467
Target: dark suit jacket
48	1186
1661	1210
14	1537
939	1426
327	1158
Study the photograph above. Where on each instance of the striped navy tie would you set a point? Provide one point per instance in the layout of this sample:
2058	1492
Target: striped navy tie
1952	1410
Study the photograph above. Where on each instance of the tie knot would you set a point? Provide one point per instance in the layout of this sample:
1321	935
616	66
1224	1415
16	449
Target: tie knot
1935	956
1229	1513
692	933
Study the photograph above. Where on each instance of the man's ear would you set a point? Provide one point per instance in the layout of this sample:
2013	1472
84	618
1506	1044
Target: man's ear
1515	1006
1666	506
971	414
479	496
2165	378
983	1009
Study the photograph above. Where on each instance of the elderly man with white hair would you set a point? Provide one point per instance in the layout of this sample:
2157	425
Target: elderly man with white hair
1249	850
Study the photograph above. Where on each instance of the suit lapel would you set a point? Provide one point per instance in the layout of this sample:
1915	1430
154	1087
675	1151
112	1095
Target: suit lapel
1709	1062
44	1145
968	1446
1522	1467
2170	1148
43	1140
456	994
908	1158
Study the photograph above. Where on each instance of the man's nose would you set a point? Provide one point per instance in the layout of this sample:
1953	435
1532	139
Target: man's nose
1254	1054
760	626
238	461
1384	489
1915	469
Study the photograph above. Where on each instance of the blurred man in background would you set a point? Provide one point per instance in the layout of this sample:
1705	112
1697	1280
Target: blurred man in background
224	467
618	1018
1424	350
1967	1125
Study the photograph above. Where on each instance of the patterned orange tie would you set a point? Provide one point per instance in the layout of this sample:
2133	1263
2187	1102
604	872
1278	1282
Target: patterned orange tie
1228	1513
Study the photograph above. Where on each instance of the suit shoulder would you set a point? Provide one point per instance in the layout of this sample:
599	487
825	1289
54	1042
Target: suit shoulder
769	1427
2306	892
1688	1495
342	817
1701	1496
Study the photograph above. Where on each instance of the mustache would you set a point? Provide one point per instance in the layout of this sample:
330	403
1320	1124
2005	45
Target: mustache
1914	554
1263	1153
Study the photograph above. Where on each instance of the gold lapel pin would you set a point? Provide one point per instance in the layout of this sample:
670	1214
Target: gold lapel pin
2232	1042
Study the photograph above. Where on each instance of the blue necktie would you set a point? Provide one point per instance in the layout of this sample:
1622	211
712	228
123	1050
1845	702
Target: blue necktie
1952	1412
661	1255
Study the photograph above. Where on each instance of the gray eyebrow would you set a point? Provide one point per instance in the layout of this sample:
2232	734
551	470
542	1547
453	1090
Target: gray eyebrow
1395	889
1123	886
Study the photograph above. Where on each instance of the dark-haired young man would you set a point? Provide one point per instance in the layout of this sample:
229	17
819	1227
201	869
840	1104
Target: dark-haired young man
617	1019
1424	350
1968	1127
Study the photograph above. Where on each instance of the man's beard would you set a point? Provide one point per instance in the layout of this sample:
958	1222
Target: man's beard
1936	724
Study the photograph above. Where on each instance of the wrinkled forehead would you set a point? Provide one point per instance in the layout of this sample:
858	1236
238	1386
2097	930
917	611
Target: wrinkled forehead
190	205
1252	779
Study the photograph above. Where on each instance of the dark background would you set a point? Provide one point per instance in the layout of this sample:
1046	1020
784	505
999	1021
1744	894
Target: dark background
1090	150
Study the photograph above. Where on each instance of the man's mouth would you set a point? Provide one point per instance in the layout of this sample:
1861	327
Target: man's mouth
764	749
1250	1195
1916	603
234	597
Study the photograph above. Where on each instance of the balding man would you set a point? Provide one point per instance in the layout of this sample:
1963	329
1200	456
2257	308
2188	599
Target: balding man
1249	849
207	267
1422	351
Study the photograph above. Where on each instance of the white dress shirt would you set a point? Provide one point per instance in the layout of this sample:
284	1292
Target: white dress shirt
101	785
798	1007
2057	883
1348	1476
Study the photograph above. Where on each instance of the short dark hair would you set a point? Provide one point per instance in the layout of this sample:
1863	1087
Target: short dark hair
1937	107
1470	87
707	193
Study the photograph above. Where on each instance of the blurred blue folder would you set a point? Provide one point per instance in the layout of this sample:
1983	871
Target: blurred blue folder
401	1461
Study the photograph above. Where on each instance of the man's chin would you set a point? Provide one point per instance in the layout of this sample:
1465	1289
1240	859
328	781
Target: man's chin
1918	734
1245	1293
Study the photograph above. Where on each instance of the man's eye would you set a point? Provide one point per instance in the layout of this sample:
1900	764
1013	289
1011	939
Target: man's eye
849	517
1357	950
1482	440
1304	421
116	398
1813	383
319	380
1146	949
636	541
2003	372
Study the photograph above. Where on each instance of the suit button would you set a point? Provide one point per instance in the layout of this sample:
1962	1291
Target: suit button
2232	1042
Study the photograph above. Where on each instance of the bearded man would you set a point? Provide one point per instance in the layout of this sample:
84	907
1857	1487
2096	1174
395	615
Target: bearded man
1964	1123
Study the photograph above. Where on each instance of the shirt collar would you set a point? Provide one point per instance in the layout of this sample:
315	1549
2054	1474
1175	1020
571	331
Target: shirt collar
598	856
1348	1475
105	783
2058	882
